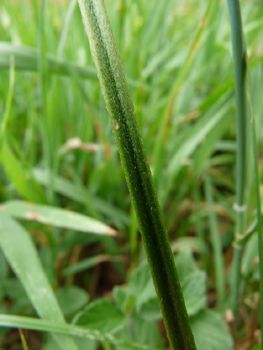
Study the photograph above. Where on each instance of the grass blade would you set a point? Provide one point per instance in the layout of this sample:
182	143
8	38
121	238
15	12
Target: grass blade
26	59
67	329
216	244
55	217
23	181
70	190
21	253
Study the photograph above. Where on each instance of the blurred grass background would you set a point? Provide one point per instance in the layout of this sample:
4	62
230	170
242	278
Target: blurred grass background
57	147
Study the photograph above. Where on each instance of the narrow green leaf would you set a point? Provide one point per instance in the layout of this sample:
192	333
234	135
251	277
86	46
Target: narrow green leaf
70	190
26	59
66	329
22	180
55	216
21	254
194	137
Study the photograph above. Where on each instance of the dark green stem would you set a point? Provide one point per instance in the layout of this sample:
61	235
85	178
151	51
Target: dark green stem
138	174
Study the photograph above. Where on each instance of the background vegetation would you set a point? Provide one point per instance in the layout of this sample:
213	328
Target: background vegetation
58	153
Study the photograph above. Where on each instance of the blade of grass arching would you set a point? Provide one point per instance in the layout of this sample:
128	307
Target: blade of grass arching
24	183
8	100
70	190
216	244
240	69
21	254
88	263
192	139
26	59
208	145
68	329
55	216
137	173
159	148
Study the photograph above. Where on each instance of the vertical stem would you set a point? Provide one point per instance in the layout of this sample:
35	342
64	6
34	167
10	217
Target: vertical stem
259	217
216	244
239	56
137	173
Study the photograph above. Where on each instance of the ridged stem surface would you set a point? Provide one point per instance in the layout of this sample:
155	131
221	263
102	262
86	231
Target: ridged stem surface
137	173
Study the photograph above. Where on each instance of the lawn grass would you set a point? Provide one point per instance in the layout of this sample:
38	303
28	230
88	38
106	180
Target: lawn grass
50	94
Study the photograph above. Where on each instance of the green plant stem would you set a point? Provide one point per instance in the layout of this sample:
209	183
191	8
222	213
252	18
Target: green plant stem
137	173
9	100
239	56
259	219
216	244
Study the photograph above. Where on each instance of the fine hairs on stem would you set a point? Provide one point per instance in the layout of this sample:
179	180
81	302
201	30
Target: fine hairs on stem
137	173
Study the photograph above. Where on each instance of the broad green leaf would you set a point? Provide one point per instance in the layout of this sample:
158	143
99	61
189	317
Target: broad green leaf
185	264
151	310
141	288
147	332
210	331
102	315
21	254
68	329
193	287
3	267
139	278
194	244
55	216
13	289
71	299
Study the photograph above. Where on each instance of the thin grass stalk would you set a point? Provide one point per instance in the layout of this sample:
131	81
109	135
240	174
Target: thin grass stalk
216	244
23	339
62	41
240	69
137	173
53	327
8	100
259	219
42	68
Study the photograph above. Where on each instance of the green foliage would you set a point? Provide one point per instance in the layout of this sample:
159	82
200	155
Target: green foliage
139	299
59	158
55	217
101	315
